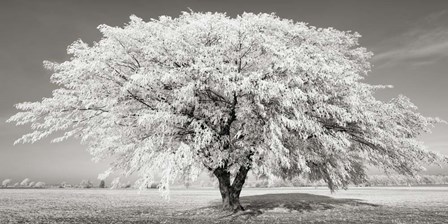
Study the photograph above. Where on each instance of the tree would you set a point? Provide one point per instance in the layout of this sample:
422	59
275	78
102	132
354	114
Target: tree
86	184
63	184
6	182
40	185
102	184
229	95
25	182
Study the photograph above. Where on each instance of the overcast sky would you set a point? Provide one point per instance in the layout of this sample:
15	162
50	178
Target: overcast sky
409	40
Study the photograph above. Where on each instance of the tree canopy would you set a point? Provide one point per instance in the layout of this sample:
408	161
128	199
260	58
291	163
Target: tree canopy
205	91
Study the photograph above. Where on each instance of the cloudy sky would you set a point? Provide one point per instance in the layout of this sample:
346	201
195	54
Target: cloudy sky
409	40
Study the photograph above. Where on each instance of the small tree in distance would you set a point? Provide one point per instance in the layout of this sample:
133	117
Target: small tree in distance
86	184
102	184
40	184
229	95
6	182
25	182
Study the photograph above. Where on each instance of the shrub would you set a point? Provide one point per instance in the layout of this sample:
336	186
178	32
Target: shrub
127	185
154	185
63	184
262	183
278	182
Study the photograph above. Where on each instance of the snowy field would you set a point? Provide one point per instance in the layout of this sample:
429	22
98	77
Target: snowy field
279	205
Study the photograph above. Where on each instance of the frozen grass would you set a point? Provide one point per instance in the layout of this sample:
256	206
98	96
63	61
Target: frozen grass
281	205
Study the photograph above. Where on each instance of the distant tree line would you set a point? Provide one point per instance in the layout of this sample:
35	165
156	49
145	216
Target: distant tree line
26	183
373	180
399	180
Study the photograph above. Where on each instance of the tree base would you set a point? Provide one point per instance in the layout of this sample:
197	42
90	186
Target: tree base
233	208
230	193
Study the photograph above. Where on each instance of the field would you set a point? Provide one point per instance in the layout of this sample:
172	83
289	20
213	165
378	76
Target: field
279	205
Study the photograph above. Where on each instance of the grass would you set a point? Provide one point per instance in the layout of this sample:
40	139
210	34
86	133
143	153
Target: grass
279	205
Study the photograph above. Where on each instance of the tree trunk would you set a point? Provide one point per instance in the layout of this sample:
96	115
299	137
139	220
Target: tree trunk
230	193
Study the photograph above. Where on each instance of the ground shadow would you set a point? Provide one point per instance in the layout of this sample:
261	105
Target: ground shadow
296	202
281	203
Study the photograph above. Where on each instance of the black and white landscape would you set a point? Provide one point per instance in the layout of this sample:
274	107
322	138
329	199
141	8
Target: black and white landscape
223	111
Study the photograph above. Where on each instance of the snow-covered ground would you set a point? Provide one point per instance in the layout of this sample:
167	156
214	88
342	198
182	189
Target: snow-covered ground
201	205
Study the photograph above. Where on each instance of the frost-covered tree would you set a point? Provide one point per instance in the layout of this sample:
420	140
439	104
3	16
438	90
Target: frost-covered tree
31	184
228	95
25	182
6	182
40	184
86	184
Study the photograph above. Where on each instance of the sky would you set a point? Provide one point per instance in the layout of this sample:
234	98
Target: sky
409	39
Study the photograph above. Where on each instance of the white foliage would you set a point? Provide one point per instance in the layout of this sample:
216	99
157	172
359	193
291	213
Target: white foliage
25	182
6	182
205	90
40	184
86	184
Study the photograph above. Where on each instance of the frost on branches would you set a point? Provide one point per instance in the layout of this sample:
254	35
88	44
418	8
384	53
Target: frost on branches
227	95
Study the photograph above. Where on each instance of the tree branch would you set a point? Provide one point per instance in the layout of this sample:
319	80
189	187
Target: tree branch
140	100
